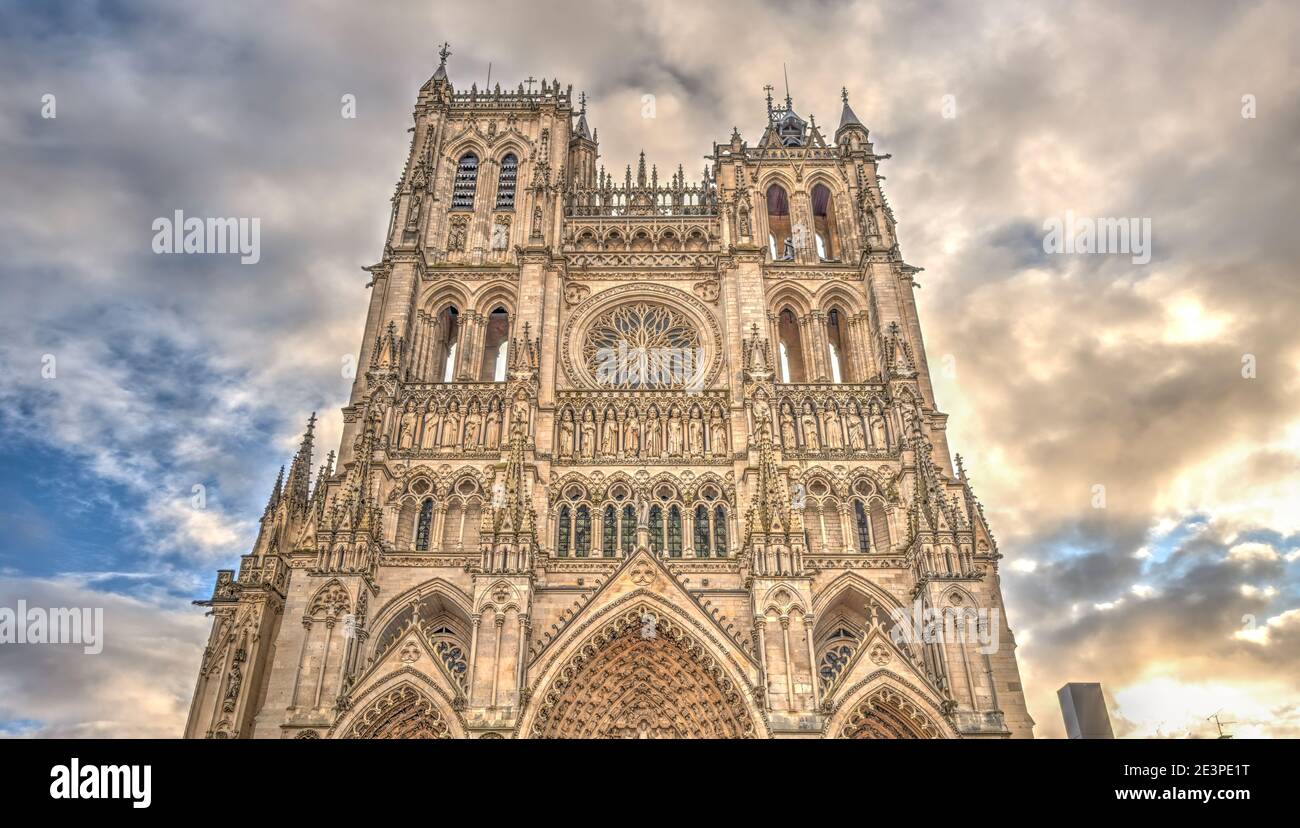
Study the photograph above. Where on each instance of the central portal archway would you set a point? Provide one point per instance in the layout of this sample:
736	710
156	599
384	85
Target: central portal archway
641	678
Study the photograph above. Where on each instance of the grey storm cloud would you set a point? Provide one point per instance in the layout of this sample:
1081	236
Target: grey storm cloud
1061	373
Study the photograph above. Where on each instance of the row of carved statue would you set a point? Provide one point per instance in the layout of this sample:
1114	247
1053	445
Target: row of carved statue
629	435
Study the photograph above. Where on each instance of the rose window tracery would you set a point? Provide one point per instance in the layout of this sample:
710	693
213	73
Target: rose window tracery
643	345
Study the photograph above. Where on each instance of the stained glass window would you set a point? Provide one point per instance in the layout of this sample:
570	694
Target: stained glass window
702	531
860	516
644	345
720	532
582	532
562	543
462	194
656	529
423	525
629	529
608	531
674	532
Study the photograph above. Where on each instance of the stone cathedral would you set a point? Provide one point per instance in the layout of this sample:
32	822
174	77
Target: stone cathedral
625	457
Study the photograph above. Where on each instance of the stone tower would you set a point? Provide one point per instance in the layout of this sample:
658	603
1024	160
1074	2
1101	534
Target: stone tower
625	456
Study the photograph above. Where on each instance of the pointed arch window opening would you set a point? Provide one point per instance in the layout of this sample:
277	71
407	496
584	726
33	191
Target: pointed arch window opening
462	194
791	347
496	339
823	209
627	531
449	321
423	525
609	532
656	530
674	532
864	534
582	533
506	182
835	345
563	533
779	232
720	531
703	538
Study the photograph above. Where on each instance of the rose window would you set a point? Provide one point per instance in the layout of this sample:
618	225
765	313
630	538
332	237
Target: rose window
644	345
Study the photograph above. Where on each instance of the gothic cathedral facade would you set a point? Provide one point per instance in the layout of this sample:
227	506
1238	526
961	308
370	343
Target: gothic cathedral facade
624	459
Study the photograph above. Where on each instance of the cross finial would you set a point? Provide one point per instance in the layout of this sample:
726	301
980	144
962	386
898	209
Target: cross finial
768	89
582	100
444	53
530	80
844	94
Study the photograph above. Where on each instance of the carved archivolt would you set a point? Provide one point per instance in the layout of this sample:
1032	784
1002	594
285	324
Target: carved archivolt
401	713
642	676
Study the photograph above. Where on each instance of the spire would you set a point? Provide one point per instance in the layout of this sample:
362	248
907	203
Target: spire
274	500
299	487
582	130
848	118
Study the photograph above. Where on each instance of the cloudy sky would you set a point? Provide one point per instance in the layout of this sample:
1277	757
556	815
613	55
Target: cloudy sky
1145	493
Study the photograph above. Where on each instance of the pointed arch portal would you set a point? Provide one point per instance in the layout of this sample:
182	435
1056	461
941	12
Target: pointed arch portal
642	678
401	713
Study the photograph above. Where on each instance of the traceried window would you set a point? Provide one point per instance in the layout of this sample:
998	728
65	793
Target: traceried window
720	531
562	545
791	355
835	344
837	650
644	345
779	237
582	532
860	520
823	208
628	530
449	326
702	539
608	530
423	525
656	530
674	532
462	194
506	182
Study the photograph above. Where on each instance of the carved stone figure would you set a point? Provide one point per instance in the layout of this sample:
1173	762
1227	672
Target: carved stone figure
831	427
588	435
609	435
492	430
788	436
429	430
857	440
878	435
675	434
451	428
654	436
632	435
695	434
718	435
407	435
811	441
473	424
566	435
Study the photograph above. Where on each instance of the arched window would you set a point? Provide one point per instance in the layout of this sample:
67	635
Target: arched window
453	522
608	531
860	518
562	539
792	369
656	530
835	340
674	532
423	524
702	531
449	325
628	529
779	237
720	531
506	182
823	208
880	526
462	194
495	341
582	532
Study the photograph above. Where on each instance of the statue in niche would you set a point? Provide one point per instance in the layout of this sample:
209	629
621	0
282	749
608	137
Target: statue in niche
811	441
451	427
788	436
718	434
456	237
675	433
492	430
857	440
632	434
501	233
588	435
609	435
519	416
537	221
406	438
878	437
831	426
473	425
566	434
654	435
762	419
743	216
413	211
429	429
695	434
